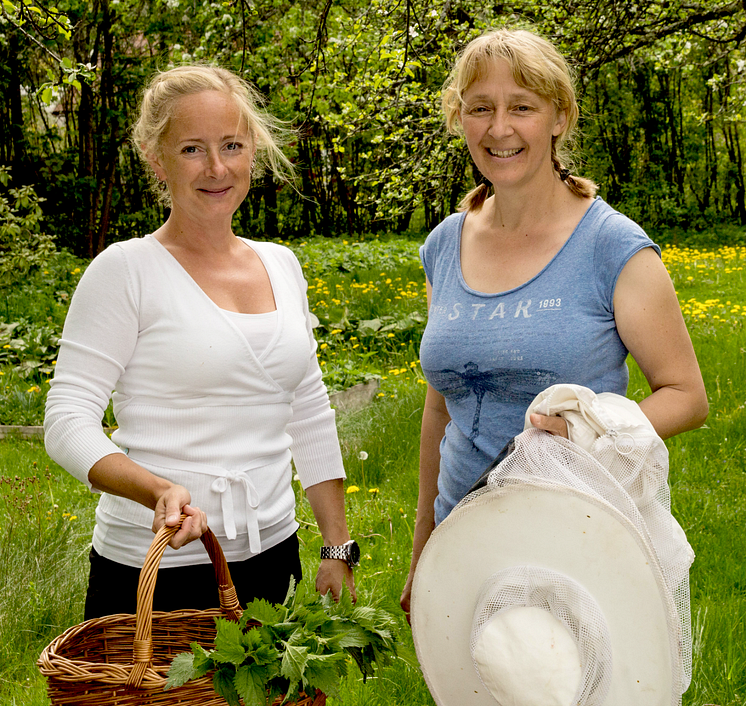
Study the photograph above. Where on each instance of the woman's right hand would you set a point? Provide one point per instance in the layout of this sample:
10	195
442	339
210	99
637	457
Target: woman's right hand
435	418
120	475
406	595
423	528
168	510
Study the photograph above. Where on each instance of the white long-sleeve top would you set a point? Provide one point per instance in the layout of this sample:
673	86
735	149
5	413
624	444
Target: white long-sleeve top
193	402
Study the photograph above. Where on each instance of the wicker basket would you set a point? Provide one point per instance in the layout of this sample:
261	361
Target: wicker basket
122	660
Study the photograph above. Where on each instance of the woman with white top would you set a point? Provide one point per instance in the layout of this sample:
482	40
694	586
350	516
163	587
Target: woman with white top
206	341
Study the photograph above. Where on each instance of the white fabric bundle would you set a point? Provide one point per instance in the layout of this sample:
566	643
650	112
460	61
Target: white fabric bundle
527	657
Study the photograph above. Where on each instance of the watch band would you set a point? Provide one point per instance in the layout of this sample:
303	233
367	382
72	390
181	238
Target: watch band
348	552
338	552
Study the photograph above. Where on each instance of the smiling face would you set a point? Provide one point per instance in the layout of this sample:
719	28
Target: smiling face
509	129
205	157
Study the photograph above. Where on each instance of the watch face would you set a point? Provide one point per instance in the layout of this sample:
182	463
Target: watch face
354	553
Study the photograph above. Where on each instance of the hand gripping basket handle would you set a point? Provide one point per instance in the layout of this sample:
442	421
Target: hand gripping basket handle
143	644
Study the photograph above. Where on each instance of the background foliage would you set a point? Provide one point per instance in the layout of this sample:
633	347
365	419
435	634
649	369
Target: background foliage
46	516
661	85
662	88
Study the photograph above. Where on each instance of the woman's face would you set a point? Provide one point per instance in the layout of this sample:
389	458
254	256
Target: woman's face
206	156
509	129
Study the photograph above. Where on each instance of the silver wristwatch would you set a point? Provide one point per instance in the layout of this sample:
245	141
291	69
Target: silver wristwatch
348	552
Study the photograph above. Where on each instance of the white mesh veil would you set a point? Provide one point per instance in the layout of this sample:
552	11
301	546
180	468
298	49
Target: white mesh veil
629	472
567	601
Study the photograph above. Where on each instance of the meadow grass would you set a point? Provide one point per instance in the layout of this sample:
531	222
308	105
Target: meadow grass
45	527
44	550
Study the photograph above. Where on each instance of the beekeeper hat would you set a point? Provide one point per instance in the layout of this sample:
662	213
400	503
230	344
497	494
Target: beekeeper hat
542	595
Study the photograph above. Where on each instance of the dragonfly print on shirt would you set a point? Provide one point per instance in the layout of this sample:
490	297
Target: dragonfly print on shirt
516	385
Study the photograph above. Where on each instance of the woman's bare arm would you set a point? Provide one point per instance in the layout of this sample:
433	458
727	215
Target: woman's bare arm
650	324
119	475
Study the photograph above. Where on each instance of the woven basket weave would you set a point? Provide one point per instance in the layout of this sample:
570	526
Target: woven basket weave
122	660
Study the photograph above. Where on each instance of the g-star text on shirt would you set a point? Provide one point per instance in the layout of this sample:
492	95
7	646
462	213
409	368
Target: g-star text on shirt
522	309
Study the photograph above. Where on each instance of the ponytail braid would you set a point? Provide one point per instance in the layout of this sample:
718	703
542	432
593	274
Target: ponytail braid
584	188
474	200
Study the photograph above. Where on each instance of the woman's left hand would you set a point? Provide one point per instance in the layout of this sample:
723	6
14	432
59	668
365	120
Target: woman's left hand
554	425
328	504
332	574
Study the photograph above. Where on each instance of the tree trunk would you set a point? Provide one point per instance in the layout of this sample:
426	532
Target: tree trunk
269	191
18	160
108	144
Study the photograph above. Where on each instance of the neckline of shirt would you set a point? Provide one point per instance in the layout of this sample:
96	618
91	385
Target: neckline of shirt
263	315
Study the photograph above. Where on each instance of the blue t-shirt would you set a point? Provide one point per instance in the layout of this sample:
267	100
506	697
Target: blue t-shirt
489	355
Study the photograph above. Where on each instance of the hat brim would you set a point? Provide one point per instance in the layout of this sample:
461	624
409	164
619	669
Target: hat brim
560	529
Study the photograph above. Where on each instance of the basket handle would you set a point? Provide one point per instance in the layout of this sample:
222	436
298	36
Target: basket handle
143	644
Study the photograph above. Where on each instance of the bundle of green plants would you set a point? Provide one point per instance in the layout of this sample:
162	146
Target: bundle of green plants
304	644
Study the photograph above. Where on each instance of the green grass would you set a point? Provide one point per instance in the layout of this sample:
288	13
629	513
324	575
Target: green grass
708	473
47	519
382	521
46	553
43	565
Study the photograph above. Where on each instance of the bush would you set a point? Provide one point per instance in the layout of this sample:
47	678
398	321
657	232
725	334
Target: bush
23	247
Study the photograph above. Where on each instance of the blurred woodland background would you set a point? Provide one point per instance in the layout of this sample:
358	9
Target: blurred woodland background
661	86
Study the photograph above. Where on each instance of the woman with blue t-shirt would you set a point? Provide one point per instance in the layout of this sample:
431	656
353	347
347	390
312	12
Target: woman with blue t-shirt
535	281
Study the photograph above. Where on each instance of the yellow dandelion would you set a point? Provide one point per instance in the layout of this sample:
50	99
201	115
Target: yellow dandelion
352	489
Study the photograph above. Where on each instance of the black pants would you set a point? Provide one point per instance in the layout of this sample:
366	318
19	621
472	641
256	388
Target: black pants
112	587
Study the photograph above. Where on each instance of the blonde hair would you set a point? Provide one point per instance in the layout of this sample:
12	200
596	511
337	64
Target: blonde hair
536	66
167	87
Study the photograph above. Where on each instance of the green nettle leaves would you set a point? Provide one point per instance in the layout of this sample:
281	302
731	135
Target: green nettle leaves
228	647
281	650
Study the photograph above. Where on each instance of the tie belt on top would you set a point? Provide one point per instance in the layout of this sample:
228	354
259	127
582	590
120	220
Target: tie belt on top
223	484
